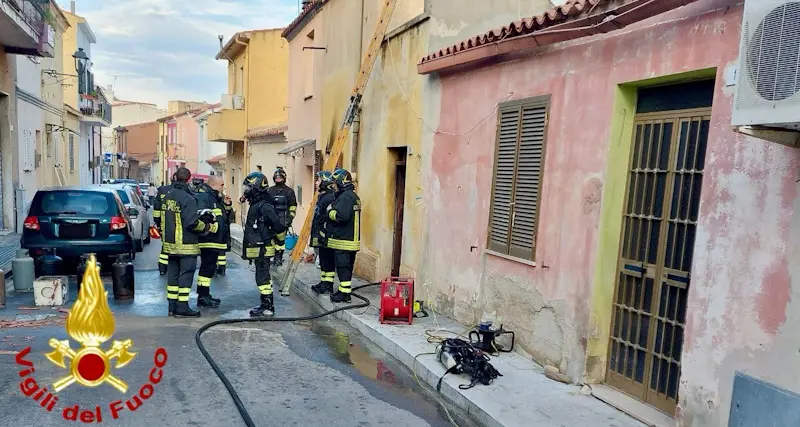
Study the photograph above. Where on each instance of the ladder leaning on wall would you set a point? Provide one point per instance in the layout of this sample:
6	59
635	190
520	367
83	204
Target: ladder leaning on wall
367	63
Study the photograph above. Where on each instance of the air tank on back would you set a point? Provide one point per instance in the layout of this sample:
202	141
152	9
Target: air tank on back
23	271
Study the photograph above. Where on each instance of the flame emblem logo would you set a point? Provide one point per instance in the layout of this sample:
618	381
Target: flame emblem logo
91	323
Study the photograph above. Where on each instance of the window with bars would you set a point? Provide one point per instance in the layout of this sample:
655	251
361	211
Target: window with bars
71	153
517	181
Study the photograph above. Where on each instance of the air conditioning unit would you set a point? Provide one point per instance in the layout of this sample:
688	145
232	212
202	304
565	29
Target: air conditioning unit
227	101
768	77
238	102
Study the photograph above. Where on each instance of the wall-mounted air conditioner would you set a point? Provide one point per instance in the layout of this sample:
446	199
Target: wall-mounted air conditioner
768	77
238	102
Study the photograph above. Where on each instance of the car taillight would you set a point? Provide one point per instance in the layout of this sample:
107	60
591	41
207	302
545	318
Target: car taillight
118	223
32	223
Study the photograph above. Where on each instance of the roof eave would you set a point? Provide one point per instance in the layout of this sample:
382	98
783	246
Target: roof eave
586	26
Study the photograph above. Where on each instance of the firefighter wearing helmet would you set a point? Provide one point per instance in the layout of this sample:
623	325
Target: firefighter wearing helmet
163	259
326	197
285	203
262	228
343	232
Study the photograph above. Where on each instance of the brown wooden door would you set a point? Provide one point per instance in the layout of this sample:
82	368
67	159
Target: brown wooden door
399	209
659	224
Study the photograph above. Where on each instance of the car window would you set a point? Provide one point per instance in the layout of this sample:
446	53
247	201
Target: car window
136	200
124	196
74	202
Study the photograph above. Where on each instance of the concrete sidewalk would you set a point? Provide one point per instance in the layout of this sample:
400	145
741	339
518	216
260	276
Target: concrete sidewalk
522	397
9	243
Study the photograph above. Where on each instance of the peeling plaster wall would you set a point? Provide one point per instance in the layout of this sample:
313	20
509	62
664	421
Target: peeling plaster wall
742	314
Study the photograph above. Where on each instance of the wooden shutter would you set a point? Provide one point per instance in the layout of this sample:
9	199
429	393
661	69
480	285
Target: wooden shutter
503	191
517	179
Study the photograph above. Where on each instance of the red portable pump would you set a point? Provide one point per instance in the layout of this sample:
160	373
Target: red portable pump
397	300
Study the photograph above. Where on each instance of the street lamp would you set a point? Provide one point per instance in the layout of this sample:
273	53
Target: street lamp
81	59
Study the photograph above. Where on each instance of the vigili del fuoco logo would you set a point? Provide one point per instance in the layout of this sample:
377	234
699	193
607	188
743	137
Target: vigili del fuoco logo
91	323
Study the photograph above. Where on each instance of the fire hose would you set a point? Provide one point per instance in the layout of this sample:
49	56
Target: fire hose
235	396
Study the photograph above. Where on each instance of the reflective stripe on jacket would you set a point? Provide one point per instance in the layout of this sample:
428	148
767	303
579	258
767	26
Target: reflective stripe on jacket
181	222
343	228
207	198
261	228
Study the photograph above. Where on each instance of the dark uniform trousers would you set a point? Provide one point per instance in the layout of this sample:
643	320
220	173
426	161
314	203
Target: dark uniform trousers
209	260
327	265
180	275
344	261
263	278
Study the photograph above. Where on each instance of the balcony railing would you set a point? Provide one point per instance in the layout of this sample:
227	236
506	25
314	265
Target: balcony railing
93	106
33	12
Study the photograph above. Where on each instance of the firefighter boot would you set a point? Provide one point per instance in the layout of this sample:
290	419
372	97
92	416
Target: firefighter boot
207	302
221	270
339	296
323	288
162	269
182	309
171	309
266	308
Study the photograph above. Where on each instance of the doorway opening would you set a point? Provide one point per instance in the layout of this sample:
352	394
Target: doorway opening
659	223
398	159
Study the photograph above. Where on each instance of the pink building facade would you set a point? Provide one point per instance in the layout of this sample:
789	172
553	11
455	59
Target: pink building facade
649	245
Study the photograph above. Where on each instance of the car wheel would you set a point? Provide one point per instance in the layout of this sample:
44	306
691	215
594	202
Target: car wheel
146	236
139	245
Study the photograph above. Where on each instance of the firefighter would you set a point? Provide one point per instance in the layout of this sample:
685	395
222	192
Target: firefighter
230	218
326	197
182	224
343	232
261	229
285	203
213	244
162	192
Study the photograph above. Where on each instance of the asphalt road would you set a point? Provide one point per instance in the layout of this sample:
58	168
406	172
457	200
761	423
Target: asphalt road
319	373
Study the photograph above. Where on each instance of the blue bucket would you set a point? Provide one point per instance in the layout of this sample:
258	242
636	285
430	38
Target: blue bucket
291	240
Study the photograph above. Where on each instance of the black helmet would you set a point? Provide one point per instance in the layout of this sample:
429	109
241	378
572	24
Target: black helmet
342	178
279	172
325	180
255	184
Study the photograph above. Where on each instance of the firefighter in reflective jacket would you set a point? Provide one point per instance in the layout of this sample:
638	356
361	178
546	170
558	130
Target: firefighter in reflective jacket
262	229
343	232
285	203
230	218
211	245
162	192
326	197
182	224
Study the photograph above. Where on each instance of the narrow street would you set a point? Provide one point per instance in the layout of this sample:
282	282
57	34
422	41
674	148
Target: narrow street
320	373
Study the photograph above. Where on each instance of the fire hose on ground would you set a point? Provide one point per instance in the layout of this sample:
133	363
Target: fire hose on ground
235	396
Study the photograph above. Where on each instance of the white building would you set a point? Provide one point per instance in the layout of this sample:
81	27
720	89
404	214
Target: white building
30	131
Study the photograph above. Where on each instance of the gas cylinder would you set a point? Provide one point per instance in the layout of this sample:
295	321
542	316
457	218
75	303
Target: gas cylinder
82	268
23	271
122	277
49	264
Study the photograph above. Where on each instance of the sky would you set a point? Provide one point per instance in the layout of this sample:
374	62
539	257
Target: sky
160	50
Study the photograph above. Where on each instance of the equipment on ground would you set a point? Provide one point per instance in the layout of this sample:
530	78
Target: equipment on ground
51	290
397	301
122	277
23	271
485	338
342	136
291	239
460	357
49	264
82	268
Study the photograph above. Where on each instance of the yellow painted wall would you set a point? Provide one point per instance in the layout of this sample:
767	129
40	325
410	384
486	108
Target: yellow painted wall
267	74
226	125
70	45
53	143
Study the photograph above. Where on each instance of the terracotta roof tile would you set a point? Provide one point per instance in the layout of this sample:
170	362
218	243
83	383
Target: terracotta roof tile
217	159
267	131
549	18
308	9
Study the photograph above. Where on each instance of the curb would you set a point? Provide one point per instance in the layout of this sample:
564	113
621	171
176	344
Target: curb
426	368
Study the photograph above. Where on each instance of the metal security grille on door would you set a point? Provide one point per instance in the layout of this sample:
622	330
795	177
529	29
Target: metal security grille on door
666	172
517	179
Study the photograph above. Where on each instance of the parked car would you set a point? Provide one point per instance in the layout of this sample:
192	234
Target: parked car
78	220
137	209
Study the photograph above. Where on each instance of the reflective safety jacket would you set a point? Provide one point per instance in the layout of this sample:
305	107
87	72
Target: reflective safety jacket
343	228
318	233
208	198
261	228
162	192
181	222
284	202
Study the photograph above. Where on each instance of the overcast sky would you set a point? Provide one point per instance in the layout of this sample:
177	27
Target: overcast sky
159	50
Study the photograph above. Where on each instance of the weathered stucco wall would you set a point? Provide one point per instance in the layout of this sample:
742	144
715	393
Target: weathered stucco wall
740	306
267	70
